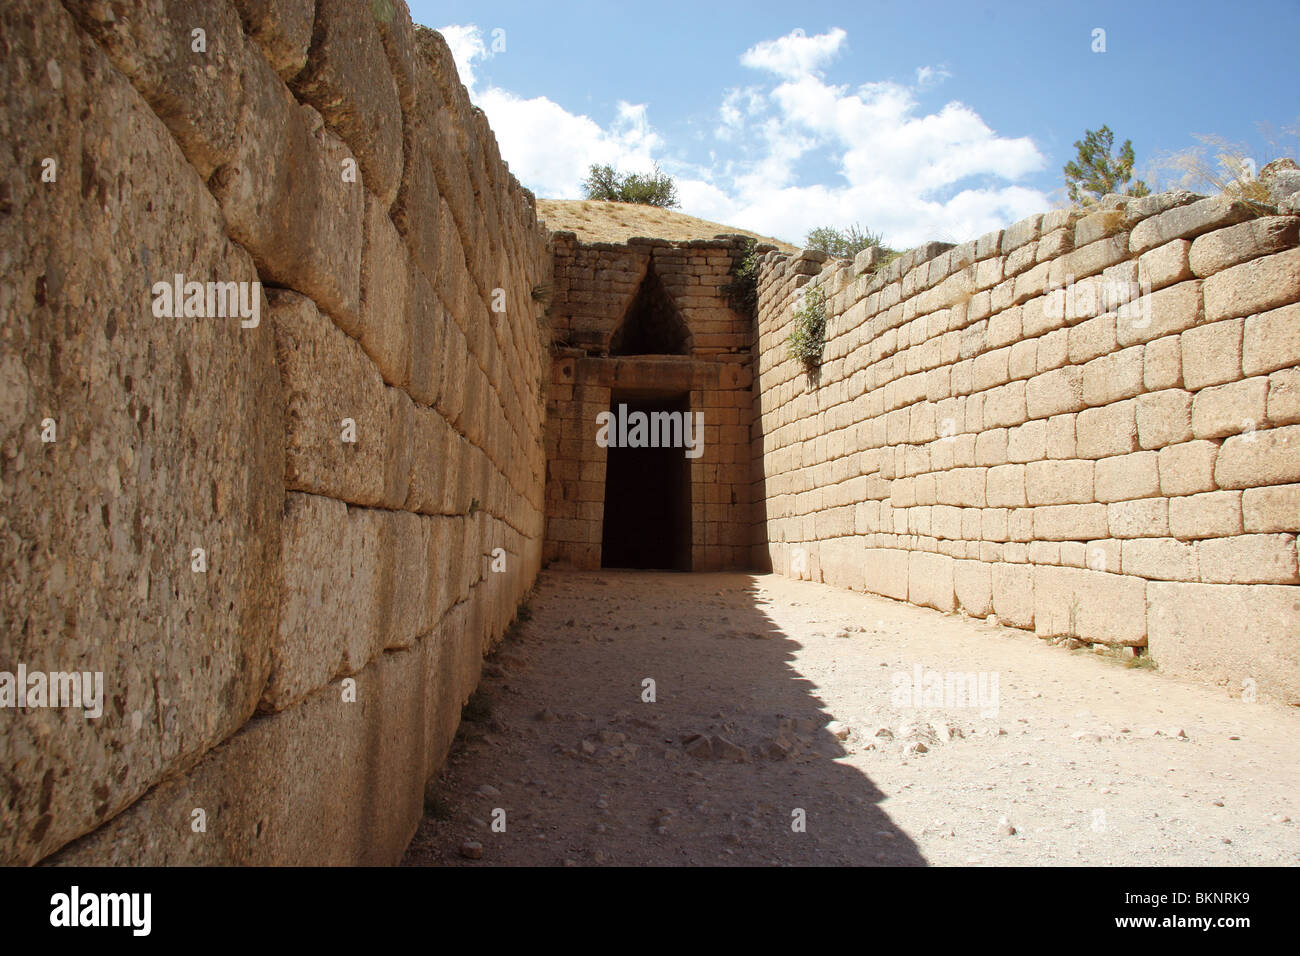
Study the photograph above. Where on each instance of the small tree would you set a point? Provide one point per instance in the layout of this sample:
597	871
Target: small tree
1095	171
651	189
843	243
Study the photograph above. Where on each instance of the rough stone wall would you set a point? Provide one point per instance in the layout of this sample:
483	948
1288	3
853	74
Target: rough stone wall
303	688
1004	427
594	285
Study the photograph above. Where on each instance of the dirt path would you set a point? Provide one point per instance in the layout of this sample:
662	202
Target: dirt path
1085	761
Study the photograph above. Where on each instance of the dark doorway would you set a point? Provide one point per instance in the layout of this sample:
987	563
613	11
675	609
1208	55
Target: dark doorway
647	495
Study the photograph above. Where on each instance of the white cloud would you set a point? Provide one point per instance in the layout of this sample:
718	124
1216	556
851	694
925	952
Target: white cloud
893	168
927	76
467	45
795	54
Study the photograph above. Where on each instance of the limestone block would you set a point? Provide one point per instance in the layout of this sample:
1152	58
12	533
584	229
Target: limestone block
1162	363
1059	482
1188	222
1211	515
1061	441
1227	634
1113	377
1165	265
1212	354
1006	487
1027	442
347	79
1248	559
1271	340
1139	518
1164	418
1284	397
1098	225
1230	409
1092	338
333	393
1160	313
1188	469
1216	251
1070	522
331	609
930	581
385	330
885	571
282	28
326	783
1106	431
1271	509
1128	476
1165	559
1013	594
1090	605
200	96
1055	392
973	587
1252	287
169	438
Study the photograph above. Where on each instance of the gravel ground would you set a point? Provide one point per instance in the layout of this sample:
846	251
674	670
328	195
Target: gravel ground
785	729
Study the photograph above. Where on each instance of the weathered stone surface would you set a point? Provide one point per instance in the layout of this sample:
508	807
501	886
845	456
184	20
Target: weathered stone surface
1188	222
1216	251
1090	605
333	393
1255	286
348	81
282	28
355	793
1227	634
1270	457
168	439
930	580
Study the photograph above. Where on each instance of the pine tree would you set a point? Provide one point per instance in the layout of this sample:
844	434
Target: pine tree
1095	171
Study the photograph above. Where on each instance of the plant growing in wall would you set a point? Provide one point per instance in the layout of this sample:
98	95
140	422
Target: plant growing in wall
808	336
742	290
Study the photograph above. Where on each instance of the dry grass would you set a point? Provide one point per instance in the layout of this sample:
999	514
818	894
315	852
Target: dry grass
618	222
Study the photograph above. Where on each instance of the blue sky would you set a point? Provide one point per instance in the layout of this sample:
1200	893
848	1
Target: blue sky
923	121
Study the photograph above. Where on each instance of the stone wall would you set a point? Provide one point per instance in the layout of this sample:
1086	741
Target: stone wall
349	463
595	287
1084	425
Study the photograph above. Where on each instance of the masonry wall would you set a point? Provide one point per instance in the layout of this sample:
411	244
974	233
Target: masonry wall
595	284
301	689
990	434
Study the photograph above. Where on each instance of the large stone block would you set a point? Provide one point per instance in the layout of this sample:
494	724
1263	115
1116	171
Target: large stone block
1111	430
282	28
1241	637
1271	509
973	587
1216	251
1059	482
168	439
1188	222
1013	594
385	331
930	581
1128	476
334	781
348	435
348	80
1271	340
1248	559
1253	287
885	572
1090	605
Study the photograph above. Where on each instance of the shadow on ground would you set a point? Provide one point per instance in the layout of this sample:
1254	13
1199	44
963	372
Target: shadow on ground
720	769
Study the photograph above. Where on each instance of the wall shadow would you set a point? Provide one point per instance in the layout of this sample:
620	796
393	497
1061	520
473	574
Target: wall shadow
590	773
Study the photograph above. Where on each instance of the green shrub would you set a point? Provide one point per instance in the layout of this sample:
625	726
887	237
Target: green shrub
808	336
649	189
843	243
